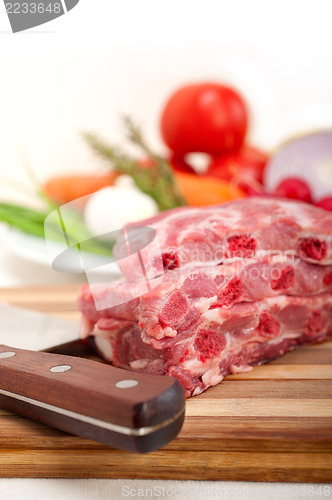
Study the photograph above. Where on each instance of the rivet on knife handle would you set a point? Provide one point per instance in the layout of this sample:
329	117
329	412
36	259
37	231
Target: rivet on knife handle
122	409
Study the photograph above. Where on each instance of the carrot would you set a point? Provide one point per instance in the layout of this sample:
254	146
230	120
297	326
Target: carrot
63	189
199	190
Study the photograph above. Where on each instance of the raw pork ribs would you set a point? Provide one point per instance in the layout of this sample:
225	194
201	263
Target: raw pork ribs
243	283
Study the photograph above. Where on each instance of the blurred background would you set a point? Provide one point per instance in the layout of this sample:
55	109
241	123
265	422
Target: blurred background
85	70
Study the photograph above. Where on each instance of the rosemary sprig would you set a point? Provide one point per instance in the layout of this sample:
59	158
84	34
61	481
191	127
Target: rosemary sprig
156	180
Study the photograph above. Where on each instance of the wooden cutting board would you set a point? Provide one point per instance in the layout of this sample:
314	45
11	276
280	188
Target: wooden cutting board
273	424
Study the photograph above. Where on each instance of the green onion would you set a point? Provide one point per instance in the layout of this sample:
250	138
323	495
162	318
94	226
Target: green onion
32	221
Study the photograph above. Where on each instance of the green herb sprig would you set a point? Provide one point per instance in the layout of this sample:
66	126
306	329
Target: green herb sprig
32	221
156	180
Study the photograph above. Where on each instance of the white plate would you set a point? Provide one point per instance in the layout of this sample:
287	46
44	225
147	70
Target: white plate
33	249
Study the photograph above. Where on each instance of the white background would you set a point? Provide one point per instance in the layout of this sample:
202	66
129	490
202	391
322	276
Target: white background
104	58
84	70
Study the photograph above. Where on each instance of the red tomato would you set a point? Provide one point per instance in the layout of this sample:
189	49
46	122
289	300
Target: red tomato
180	164
244	168
325	203
204	117
295	188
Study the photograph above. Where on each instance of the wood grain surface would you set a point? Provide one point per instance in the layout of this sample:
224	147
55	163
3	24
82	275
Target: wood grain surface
272	424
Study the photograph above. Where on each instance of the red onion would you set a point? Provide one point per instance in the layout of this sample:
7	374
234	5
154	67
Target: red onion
308	157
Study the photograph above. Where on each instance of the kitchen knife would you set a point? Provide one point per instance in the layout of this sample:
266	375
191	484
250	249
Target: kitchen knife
123	409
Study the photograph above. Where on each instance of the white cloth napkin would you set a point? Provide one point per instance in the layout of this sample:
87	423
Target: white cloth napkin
117	489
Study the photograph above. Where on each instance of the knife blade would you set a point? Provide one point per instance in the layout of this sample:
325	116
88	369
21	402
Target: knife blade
126	410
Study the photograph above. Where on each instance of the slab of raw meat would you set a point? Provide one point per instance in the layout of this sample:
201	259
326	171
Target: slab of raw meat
187	292
243	283
213	342
252	227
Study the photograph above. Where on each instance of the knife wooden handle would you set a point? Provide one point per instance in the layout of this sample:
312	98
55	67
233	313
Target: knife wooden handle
120	408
